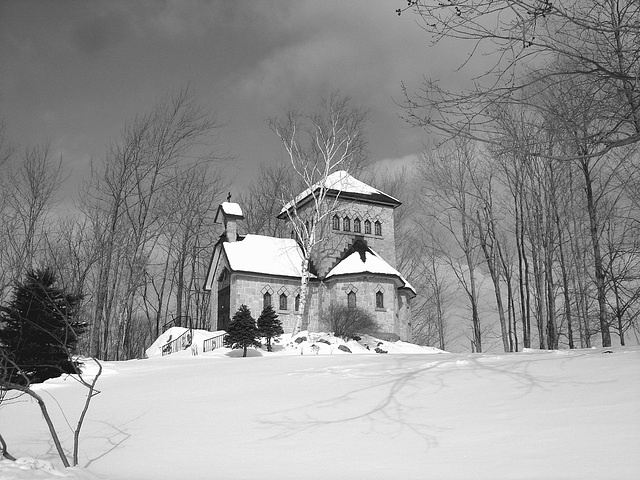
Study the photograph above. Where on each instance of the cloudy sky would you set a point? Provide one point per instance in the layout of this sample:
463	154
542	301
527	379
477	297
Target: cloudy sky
73	72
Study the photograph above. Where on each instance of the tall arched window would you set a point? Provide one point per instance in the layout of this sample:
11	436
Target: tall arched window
378	228
346	224
357	225
351	299
336	222
296	303
283	301
266	299
379	299
367	227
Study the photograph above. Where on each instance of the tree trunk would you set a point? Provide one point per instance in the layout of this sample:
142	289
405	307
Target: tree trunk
597	257
494	271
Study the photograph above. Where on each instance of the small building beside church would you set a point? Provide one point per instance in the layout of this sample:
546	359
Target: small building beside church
354	264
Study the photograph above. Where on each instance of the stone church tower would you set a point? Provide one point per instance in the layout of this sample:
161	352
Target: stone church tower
355	264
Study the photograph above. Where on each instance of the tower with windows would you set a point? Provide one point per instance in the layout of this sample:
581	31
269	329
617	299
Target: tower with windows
354	264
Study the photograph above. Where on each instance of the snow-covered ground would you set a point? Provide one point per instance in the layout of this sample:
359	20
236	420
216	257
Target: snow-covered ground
413	413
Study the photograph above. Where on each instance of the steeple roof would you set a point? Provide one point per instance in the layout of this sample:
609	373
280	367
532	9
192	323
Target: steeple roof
345	186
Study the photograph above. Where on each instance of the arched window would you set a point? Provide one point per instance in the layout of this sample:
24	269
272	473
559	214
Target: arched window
266	299
224	280
346	224
367	227
336	222
378	228
379	299
283	301
296	303
357	225
351	299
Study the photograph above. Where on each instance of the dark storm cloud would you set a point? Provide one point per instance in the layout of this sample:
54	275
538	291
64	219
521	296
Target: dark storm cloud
74	72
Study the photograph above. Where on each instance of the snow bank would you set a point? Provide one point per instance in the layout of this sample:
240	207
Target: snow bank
321	343
27	468
291	414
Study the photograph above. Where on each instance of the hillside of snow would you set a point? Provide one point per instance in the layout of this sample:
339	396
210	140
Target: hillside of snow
322	413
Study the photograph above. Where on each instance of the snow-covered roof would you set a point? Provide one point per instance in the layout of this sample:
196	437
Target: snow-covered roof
266	255
367	261
230	209
344	183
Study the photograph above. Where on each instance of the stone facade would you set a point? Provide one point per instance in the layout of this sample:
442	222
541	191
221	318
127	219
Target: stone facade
355	220
338	240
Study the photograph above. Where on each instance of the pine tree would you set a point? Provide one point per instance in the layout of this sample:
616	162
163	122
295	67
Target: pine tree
269	325
242	331
38	331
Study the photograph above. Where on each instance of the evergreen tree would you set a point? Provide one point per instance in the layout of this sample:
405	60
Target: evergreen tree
269	325
38	331
242	331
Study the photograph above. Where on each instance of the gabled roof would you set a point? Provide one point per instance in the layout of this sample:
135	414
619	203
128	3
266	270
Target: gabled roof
265	255
230	210
361	259
347	187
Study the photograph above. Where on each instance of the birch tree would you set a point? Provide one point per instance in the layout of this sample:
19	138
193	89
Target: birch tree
317	145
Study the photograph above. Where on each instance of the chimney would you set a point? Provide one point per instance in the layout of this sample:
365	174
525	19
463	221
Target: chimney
231	213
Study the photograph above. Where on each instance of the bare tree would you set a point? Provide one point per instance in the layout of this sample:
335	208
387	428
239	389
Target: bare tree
430	311
622	271
318	145
262	200
27	200
14	390
57	336
190	205
594	41
125	202
447	175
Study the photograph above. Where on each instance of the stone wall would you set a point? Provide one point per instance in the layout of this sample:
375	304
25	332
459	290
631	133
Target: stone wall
365	288
403	319
250	290
335	242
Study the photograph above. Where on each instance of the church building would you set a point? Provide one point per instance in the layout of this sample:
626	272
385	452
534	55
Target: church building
354	264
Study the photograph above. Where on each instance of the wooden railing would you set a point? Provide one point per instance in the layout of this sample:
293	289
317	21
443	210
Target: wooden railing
214	342
177	344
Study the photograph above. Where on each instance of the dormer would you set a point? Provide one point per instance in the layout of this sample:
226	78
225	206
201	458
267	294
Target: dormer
229	213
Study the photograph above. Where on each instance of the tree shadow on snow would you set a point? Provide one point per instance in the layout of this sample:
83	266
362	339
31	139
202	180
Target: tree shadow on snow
251	352
401	399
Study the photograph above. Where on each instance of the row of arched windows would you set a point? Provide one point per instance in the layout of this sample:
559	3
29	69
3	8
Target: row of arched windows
283	301
344	224
352	299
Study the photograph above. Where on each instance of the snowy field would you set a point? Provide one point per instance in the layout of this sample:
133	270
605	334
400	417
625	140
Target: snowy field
413	413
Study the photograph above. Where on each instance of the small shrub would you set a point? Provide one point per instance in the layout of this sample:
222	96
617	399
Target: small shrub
347	322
